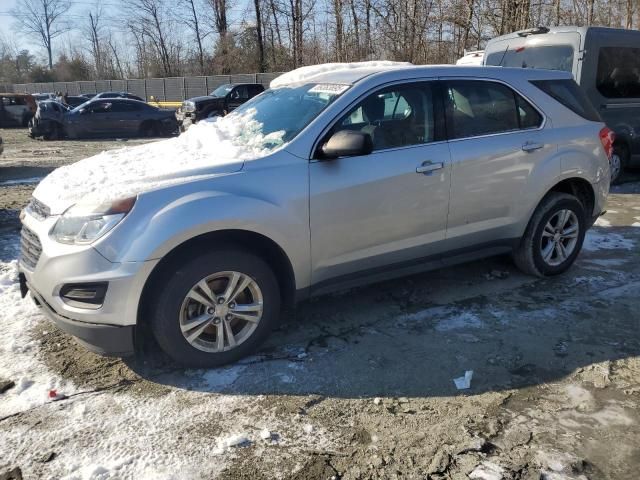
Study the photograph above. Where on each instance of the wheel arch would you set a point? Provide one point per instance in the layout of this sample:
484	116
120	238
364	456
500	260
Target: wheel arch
265	247
579	188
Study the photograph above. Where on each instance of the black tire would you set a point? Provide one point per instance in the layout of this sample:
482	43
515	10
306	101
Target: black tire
622	151
55	133
528	255
167	303
149	129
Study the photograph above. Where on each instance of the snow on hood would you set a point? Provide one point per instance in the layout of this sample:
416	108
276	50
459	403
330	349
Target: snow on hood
212	146
307	73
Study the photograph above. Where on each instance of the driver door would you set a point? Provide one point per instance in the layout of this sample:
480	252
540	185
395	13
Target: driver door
237	97
389	207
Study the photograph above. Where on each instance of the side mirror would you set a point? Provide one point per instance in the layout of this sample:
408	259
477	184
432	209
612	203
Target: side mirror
347	143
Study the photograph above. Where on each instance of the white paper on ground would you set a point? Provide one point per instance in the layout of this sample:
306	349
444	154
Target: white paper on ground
462	383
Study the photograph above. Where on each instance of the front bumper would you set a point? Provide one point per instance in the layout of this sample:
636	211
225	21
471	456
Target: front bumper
109	340
185	119
107	329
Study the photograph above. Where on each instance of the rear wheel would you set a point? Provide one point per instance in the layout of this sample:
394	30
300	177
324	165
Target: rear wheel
215	308
55	132
554	236
150	129
619	161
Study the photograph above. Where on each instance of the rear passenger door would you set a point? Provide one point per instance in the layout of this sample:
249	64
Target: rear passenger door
496	142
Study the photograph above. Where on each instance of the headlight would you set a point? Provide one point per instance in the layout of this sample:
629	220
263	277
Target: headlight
188	106
83	224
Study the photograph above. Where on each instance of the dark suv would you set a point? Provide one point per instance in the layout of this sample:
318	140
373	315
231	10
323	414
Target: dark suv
218	103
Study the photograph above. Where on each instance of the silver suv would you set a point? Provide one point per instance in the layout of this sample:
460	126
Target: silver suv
363	172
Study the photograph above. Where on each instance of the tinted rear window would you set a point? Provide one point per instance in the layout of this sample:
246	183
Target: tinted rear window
476	108
568	93
550	57
619	72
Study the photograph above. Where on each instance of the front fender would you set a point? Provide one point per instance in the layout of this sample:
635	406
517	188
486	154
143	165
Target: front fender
151	233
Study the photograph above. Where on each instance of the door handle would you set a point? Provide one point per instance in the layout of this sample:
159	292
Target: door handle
428	167
531	146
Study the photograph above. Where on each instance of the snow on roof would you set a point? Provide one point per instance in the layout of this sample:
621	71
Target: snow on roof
304	74
124	172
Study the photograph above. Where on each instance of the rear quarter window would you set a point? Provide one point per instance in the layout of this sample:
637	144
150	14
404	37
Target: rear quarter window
569	94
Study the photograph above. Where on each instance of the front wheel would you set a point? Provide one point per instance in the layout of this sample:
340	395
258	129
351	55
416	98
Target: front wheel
215	308
553	239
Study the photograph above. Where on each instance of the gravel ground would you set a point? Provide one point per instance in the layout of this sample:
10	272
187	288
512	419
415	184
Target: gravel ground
359	385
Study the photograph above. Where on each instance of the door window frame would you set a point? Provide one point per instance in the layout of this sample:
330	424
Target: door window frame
439	128
444	81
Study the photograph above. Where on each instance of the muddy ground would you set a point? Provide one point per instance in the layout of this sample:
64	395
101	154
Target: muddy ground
359	385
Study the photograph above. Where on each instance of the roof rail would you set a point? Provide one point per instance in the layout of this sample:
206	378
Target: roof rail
533	31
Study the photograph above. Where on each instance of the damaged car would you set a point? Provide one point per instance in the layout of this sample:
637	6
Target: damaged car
48	122
16	109
338	175
102	117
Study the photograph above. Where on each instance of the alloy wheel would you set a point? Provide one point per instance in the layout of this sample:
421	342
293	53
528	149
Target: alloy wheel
221	311
559	237
615	165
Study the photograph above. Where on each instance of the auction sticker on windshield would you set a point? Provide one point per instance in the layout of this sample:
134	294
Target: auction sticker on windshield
331	88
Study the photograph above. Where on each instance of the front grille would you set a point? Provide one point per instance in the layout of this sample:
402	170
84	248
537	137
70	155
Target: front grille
30	248
38	209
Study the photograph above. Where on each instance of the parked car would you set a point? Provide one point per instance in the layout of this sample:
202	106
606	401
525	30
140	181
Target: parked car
107	117
471	58
362	173
76	100
218	103
40	97
48	122
604	61
16	109
118	95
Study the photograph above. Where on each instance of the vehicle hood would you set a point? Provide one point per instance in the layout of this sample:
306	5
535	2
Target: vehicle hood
207	100
210	148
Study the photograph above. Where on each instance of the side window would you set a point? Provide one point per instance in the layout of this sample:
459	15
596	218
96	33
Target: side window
618	73
255	90
528	116
397	116
477	108
569	94
124	107
240	93
101	107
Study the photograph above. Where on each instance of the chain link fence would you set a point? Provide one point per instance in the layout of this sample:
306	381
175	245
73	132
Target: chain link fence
174	89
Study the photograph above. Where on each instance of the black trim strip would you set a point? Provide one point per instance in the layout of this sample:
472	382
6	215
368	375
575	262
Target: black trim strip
410	267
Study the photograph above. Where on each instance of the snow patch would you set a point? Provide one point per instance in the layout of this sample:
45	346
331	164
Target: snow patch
215	146
487	471
18	352
602	222
456	322
595	240
304	74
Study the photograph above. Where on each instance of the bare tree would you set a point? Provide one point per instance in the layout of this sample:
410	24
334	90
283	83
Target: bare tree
43	19
193	22
261	58
149	22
